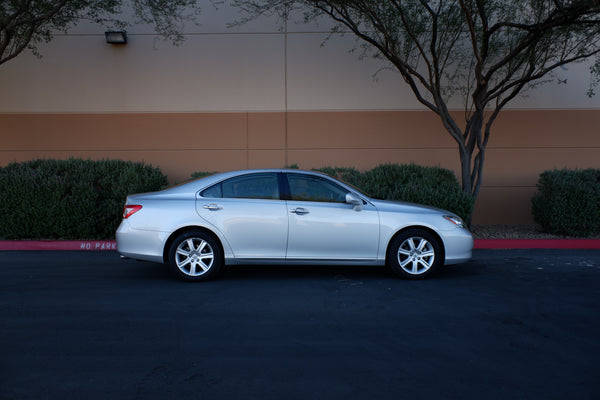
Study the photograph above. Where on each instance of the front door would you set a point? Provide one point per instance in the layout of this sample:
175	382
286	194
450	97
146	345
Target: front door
323	226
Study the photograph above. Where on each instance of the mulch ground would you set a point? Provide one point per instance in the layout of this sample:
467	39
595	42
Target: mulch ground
516	232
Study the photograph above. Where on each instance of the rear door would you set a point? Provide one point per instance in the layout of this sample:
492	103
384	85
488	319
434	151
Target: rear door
248	212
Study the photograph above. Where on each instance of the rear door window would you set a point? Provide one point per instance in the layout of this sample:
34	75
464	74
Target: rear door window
252	186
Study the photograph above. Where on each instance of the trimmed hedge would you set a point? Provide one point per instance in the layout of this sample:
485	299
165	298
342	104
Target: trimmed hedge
433	186
69	199
568	202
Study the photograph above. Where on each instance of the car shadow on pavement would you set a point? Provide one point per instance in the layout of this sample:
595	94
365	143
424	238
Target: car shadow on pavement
246	272
152	271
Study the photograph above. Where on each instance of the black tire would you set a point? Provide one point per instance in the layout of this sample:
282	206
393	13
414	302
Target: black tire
195	256
415	254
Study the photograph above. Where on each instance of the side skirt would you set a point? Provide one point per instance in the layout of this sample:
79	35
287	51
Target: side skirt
284	261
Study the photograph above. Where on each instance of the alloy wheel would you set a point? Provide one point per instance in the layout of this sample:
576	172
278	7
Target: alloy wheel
194	256
416	255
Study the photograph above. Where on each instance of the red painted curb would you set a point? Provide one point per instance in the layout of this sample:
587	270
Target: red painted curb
537	244
102	245
27	245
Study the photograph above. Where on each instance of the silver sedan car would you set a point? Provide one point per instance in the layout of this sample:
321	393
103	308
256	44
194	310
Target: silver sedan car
286	217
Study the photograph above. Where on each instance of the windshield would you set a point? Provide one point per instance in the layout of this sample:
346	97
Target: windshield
356	189
359	191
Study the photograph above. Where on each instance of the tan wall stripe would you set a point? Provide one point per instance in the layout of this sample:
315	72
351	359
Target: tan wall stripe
524	143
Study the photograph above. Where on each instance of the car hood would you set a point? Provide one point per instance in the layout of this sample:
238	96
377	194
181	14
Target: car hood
400	206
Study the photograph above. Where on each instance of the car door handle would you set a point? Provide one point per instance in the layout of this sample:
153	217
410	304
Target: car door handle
212	207
299	211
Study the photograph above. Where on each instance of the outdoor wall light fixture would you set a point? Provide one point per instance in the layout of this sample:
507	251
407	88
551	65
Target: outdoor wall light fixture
116	37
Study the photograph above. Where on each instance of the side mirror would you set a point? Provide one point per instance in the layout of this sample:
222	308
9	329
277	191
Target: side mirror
355	201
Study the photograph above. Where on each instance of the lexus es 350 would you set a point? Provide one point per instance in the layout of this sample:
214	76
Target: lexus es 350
286	217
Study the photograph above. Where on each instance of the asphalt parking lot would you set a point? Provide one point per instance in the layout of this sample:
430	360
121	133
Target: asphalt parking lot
510	324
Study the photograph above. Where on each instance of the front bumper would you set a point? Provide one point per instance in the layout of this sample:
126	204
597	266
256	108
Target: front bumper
458	244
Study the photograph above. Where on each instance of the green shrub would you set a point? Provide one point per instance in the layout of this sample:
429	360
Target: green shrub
433	186
69	199
568	202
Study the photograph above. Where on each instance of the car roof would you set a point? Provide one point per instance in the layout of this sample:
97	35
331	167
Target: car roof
206	181
229	174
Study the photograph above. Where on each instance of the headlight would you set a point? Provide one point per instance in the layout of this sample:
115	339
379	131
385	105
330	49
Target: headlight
455	220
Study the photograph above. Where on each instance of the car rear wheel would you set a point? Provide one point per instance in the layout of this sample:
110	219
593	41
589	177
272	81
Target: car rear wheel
415	254
195	256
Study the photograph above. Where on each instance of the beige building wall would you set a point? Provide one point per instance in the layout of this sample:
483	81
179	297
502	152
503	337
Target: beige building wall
260	96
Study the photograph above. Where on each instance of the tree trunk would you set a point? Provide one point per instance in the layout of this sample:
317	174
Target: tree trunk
472	154
465	175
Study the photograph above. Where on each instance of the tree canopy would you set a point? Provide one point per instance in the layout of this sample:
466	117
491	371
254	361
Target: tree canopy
26	23
485	52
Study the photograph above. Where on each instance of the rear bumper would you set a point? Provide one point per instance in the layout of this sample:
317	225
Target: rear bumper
140	244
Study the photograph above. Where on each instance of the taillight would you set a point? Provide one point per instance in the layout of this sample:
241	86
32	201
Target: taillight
129	210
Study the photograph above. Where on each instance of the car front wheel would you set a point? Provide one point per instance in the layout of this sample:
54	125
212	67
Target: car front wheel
195	256
415	254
